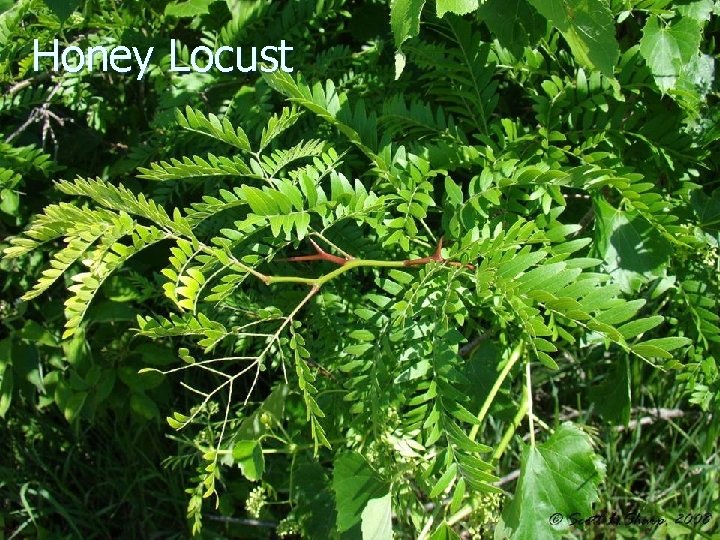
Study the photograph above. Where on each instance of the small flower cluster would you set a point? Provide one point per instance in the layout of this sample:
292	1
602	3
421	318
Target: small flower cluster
256	501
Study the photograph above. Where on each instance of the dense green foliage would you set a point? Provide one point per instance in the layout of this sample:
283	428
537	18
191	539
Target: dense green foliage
454	274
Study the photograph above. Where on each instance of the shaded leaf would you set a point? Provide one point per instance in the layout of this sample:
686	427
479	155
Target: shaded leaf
589	28
6	376
249	456
633	253
354	483
612	396
62	8
515	23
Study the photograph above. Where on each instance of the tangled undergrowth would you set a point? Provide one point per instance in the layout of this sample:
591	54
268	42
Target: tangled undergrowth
455	275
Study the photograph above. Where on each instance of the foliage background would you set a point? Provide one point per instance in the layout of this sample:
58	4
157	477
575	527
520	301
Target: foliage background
567	154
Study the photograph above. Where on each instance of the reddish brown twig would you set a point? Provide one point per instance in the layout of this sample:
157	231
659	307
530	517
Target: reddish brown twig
320	255
437	257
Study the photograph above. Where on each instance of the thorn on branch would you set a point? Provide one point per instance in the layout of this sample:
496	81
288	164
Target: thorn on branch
437	257
320	255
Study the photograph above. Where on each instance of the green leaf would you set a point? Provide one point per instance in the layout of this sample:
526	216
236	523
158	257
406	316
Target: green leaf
668	47
589	28
70	403
515	23
405	19
355	483
459	7
696	79
700	10
632	250
62	8
612	396
212	126
156	355
707	209
6	376
9	202
668	343
650	351
314	501
559	476
518	264
445	480
144	406
189	8
249	456
620	313
405	24
377	519
444	532
454	192
177	420
253	426
637	327
546	360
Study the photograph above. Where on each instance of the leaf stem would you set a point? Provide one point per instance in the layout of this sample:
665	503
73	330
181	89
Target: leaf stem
528	389
510	431
290	448
349	265
514	357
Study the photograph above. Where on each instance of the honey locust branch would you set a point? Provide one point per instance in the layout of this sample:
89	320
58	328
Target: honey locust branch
348	263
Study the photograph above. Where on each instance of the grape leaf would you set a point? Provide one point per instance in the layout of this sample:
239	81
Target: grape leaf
444	532
589	28
701	10
558	476
695	81
633	254
667	48
405	19
459	7
707	209
314	503
612	396
377	519
62	8
189	8
354	483
405	23
249	456
515	23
